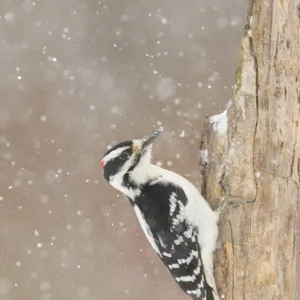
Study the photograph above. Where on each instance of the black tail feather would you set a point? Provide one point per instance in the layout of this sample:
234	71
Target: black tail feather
209	292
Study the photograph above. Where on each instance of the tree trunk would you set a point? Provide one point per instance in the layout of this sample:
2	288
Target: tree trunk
254	149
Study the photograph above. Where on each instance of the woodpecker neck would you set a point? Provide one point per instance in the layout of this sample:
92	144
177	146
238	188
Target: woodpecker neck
144	172
130	182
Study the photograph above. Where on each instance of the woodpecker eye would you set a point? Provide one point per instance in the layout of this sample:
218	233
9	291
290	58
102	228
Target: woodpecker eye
124	156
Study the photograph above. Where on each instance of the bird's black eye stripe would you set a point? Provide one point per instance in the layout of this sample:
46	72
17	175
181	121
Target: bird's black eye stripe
124	155
123	144
113	166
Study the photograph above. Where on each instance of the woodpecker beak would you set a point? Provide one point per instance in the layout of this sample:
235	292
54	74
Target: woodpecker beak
148	141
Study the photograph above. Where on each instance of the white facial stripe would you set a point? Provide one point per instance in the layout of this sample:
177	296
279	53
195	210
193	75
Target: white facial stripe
114	154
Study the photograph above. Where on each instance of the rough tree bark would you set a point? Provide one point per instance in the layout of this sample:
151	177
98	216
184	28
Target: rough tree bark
254	148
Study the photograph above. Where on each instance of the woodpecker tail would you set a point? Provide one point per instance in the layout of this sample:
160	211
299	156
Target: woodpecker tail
211	294
210	286
215	295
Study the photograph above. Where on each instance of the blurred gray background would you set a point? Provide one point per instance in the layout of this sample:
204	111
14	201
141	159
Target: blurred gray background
77	76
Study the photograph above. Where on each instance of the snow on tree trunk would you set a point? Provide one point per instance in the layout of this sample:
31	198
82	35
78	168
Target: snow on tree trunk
254	148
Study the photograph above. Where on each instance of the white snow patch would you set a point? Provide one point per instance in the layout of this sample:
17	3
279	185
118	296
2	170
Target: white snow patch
251	21
204	156
219	122
250	24
229	104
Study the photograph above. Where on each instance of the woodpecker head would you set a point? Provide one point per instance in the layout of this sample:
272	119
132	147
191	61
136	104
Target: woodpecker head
127	158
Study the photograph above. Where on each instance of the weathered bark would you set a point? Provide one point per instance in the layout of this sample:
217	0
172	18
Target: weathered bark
254	148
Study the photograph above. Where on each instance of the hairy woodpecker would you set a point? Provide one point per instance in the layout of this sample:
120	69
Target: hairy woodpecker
178	222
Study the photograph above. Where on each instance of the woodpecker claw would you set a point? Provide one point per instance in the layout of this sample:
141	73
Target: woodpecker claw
231	200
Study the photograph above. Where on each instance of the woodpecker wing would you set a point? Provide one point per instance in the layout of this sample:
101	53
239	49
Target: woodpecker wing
161	209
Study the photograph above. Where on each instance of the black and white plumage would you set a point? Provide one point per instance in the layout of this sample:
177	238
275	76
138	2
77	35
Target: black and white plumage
179	224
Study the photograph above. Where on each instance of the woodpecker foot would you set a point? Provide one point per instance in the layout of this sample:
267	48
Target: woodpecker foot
231	200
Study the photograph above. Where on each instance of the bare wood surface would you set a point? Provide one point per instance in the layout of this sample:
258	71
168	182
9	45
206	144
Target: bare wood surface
254	148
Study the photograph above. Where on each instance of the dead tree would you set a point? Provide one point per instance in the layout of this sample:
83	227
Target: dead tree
252	151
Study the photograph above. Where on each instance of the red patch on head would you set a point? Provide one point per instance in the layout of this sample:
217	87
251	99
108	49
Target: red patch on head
102	163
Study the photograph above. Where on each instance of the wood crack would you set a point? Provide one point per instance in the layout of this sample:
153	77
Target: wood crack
233	255
278	176
298	168
294	151
252	52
